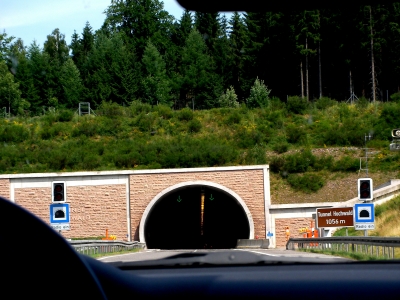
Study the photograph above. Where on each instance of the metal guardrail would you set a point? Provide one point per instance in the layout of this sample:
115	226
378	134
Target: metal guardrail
379	246
89	247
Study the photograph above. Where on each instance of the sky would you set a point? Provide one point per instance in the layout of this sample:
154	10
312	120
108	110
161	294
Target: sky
35	19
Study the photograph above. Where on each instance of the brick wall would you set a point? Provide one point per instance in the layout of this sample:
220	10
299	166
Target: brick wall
5	188
93	209
248	184
294	226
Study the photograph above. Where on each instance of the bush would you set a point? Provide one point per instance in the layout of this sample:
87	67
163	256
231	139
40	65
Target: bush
362	102
234	118
110	109
164	111
295	133
255	156
296	104
346	164
13	133
65	115
307	183
249	138
275	104
185	114
194	126
324	103
280	146
395	97
138	107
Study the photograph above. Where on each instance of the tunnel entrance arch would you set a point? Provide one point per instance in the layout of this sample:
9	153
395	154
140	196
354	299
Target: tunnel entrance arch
195	214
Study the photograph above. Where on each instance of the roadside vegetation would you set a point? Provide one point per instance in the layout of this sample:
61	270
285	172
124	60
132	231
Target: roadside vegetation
350	255
305	149
387	222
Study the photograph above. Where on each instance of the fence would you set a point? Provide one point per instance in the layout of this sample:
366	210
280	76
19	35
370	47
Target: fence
379	246
90	247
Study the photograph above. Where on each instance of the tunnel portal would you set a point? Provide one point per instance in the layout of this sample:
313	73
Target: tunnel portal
196	217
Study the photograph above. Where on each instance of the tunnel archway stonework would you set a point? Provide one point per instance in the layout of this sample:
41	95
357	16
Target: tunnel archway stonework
248	186
197	183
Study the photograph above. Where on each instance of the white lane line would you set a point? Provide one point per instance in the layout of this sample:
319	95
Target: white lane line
104	257
256	252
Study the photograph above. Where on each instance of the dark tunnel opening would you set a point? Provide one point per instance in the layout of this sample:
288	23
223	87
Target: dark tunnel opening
176	220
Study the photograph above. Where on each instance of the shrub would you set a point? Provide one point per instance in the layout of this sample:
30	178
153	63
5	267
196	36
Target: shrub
185	114
13	133
295	133
307	182
296	104
65	115
164	111
280	147
324	103
275	104
229	98
362	102
259	94
138	107
111	109
234	118
145	121
395	97
194	126
255	156
346	164
249	138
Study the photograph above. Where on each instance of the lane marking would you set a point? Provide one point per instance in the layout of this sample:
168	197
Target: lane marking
255	252
104	257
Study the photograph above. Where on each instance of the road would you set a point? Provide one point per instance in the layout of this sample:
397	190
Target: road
159	254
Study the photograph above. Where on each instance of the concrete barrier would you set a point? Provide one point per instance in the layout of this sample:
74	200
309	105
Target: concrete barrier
254	244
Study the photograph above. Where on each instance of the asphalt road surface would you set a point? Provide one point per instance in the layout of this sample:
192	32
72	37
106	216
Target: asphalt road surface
159	254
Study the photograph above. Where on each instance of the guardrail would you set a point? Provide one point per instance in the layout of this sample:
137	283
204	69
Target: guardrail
89	247
379	246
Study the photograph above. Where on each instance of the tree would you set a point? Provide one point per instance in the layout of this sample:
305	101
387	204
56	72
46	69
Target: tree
56	47
156	87
5	43
237	40
140	20
259	94
71	83
113	71
38	90
198	81
10	95
229	98
58	52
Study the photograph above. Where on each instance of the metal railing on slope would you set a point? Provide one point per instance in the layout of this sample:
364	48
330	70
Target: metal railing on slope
90	247
379	246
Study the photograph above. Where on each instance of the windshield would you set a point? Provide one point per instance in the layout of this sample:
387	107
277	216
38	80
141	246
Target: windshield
143	122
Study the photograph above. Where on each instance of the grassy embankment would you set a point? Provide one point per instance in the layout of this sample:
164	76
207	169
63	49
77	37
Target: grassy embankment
387	224
313	149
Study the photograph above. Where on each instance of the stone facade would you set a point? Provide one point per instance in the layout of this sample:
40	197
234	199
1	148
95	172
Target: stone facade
93	209
5	188
248	184
295	224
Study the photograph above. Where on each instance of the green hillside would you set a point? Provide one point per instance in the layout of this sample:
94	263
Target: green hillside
312	148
